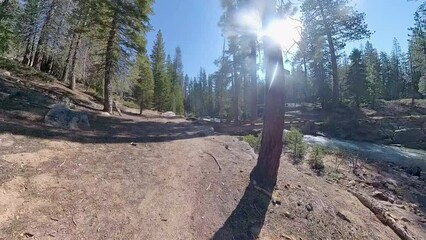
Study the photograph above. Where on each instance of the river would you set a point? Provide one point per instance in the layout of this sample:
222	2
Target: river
401	156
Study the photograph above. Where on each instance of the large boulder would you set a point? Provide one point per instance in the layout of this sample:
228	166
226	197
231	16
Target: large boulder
409	135
168	114
61	116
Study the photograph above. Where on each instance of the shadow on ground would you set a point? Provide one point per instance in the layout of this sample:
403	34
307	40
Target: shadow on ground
23	110
247	220
106	130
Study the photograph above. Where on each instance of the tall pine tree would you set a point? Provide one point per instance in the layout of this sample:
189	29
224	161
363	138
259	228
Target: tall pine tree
159	70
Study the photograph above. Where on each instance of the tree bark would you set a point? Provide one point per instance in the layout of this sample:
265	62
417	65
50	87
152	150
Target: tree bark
42	39
141	106
109	65
33	42
27	55
253	78
222	81
305	80
332	55
74	61
235	104
67	61
266	171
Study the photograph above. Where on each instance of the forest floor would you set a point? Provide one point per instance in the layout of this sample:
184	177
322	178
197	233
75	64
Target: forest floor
149	177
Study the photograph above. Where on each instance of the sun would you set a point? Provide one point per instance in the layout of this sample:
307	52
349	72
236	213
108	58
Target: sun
285	32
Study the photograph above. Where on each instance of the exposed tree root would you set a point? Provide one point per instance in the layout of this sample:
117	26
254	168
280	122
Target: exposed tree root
383	216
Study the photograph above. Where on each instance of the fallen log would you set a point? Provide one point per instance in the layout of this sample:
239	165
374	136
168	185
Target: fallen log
383	216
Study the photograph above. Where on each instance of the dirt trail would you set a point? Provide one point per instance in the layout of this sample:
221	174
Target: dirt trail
172	189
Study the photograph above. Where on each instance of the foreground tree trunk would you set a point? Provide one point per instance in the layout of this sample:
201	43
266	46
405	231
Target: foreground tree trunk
266	171
109	66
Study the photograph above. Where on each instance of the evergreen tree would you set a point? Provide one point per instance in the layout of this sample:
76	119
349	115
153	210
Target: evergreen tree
125	23
28	28
396	78
9	9
159	70
327	19
372	71
417	52
177	83
386	74
143	78
357	77
168	87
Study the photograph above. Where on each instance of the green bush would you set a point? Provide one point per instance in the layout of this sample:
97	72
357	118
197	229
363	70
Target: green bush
316	158
253	141
294	138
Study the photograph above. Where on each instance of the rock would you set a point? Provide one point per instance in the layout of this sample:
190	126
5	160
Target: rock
343	216
107	114
287	215
309	207
168	114
352	183
381	196
390	184
409	135
61	116
276	198
400	206
206	132
7	73
376	184
286	237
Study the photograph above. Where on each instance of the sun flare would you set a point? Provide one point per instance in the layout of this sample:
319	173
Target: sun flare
286	32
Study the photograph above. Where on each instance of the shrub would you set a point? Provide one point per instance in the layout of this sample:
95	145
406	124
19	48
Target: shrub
316	158
253	141
294	138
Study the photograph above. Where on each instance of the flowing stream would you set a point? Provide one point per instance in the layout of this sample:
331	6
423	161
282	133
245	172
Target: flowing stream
375	152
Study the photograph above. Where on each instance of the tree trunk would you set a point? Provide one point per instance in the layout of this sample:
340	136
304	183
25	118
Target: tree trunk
74	60
266	171
109	65
50	64
253	78
235	104
86	84
305	80
222	81
332	55
42	39
27	55
141	106
67	61
33	42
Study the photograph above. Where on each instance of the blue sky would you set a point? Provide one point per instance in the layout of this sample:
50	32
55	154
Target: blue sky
192	25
